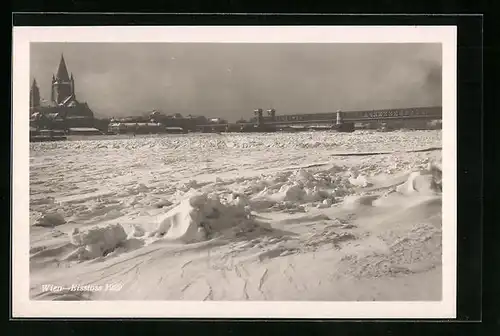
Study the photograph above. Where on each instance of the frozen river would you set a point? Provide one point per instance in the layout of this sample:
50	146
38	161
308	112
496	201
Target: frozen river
325	218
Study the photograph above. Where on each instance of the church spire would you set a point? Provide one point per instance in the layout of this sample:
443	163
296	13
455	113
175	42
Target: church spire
72	80
34	95
62	71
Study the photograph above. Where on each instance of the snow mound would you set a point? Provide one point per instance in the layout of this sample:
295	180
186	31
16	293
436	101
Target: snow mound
50	220
137	231
302	187
427	181
354	201
97	241
201	216
359	181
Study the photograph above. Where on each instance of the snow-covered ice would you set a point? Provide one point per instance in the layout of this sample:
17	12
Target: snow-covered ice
283	216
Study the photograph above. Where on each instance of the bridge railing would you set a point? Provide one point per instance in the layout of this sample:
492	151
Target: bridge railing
420	112
345	117
429	112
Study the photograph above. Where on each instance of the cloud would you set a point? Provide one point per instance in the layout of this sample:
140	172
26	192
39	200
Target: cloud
230	80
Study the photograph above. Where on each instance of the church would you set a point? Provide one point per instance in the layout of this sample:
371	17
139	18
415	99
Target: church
63	111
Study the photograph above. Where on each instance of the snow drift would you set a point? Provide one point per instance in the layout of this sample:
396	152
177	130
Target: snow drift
50	220
202	216
427	181
97	241
292	189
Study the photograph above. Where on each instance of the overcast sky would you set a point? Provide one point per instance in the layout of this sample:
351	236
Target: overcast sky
231	80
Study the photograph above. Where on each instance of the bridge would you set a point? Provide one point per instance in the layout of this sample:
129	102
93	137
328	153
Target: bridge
339	117
335	118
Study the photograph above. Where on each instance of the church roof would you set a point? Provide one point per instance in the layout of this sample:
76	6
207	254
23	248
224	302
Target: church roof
66	101
62	71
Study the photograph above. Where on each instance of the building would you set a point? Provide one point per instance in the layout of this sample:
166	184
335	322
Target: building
63	111
176	120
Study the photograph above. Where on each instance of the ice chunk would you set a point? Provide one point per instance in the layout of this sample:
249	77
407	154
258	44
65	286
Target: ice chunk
50	220
99	240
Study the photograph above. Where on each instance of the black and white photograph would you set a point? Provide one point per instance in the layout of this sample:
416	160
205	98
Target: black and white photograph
225	168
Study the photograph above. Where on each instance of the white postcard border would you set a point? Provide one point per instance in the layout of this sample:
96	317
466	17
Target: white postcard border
22	306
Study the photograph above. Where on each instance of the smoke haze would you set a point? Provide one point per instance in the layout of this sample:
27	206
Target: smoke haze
231	80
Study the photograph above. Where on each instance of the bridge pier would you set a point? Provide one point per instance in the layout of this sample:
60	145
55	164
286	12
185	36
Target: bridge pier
260	117
272	113
340	119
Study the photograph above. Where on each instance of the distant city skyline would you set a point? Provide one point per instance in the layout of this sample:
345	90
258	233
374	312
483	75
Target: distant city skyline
231	80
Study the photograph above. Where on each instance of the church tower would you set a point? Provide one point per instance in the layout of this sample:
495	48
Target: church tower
34	95
72	79
62	84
